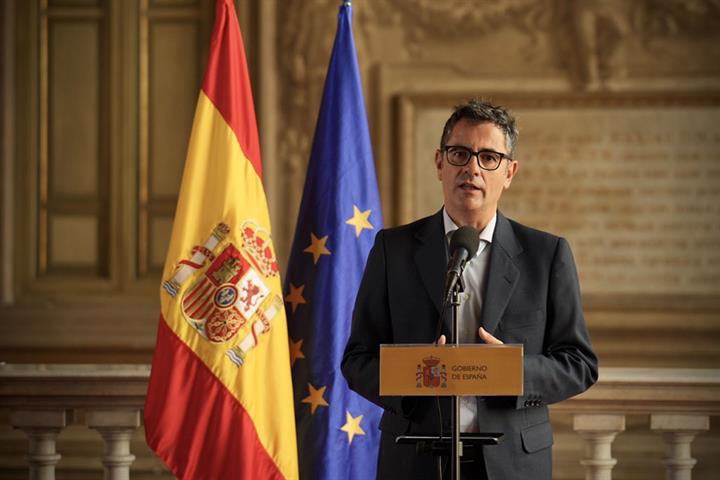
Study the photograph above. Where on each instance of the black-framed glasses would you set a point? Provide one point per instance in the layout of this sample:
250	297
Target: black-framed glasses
487	159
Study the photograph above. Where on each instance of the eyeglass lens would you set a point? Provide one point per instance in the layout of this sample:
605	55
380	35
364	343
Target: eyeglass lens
460	156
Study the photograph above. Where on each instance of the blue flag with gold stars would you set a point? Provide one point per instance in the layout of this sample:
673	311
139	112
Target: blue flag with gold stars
339	216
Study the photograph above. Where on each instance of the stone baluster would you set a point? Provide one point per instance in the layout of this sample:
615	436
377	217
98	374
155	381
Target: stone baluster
116	428
678	431
41	427
599	432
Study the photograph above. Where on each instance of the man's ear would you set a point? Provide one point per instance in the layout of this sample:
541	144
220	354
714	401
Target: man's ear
438	163
510	173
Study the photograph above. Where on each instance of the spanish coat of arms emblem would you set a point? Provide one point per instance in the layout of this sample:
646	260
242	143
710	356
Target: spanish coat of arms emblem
431	374
227	293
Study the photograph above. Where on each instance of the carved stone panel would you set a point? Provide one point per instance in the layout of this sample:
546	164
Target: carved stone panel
632	181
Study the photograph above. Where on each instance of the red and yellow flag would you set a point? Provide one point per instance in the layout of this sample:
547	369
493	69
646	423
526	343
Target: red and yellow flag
220	402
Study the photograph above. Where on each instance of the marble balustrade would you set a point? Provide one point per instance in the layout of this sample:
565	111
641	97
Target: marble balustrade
42	400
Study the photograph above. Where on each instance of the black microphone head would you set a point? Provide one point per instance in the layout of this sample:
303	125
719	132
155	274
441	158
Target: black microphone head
465	237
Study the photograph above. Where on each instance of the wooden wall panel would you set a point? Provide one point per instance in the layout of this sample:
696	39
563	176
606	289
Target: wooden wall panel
74	146
106	92
174	3
73	241
74	110
7	150
73	3
174	87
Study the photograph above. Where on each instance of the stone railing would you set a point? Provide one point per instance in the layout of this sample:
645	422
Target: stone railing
42	398
679	402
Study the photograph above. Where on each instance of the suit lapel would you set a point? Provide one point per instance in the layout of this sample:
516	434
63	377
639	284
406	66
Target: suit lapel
502	276
432	266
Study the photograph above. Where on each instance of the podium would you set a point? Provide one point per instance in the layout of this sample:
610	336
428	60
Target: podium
451	370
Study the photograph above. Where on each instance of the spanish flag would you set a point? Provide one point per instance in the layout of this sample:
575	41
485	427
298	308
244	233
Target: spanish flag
220	401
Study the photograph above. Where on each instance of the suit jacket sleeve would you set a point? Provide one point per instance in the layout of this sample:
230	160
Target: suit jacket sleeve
371	326
567	365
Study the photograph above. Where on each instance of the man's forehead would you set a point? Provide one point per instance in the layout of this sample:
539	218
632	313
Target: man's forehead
469	126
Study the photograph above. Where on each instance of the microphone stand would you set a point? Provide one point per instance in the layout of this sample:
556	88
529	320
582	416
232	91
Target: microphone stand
456	445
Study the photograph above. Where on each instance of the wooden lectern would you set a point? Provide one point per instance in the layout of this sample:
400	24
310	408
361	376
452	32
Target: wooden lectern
451	370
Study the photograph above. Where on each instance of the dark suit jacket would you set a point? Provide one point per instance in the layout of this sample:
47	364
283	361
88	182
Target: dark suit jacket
532	297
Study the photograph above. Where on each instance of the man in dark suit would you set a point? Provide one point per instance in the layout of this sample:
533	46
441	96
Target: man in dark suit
521	287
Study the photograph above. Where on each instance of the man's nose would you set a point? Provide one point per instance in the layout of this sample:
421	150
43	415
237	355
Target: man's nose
473	166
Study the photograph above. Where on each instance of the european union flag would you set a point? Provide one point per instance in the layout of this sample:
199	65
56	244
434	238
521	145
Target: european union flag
339	216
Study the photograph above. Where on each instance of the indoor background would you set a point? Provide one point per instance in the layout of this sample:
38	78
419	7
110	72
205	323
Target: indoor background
618	104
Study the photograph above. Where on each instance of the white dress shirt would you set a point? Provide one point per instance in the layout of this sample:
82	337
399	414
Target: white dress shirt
474	277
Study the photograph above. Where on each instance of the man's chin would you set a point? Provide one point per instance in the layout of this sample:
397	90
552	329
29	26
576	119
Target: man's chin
467	209
473	203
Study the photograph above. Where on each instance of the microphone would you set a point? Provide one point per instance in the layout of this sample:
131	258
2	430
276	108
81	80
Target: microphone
463	246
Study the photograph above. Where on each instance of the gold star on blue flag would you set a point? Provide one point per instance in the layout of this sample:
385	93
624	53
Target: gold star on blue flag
359	220
352	426
340	214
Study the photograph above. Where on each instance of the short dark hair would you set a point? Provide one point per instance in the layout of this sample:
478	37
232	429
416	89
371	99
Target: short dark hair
481	111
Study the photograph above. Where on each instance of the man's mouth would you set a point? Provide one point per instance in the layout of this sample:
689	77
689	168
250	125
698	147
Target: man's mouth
469	187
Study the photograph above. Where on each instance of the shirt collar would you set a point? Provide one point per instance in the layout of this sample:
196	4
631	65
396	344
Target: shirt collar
486	234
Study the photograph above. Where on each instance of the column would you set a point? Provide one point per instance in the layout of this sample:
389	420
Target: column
116	428
598	432
678	431
41	427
